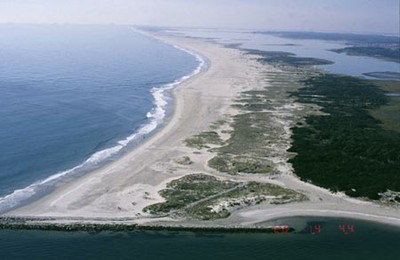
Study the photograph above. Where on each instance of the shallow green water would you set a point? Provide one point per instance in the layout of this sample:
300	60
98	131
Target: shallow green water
367	241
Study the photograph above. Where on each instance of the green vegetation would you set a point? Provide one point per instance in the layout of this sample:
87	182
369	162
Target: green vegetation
221	164
389	114
255	100
390	54
205	197
245	150
347	149
188	189
239	164
369	39
256	139
233	45
288	58
255	135
202	140
217	124
248	194
185	160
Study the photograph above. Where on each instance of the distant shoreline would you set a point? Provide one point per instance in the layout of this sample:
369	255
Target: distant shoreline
385	75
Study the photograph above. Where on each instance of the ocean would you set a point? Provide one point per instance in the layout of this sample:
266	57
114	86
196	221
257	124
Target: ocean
366	240
75	97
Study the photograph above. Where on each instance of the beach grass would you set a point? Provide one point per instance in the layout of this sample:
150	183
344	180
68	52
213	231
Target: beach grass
184	160
255	134
217	124
188	189
205	197
244	151
203	140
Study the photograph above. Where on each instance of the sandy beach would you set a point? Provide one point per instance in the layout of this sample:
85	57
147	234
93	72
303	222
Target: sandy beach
124	187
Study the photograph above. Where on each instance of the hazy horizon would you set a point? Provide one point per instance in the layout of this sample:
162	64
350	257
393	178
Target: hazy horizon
356	16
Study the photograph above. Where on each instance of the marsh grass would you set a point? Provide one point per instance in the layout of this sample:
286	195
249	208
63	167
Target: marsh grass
389	114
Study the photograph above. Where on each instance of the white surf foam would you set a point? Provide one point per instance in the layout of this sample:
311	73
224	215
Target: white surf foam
155	117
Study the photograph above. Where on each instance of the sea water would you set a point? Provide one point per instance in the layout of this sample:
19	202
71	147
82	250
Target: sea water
75	97
364	241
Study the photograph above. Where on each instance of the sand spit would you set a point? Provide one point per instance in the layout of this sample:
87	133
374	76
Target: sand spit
117	192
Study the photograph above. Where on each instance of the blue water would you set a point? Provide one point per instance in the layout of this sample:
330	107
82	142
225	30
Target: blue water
343	64
368	241
68	92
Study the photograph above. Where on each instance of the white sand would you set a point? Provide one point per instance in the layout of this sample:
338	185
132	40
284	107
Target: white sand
124	187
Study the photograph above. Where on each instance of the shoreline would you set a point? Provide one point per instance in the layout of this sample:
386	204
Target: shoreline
156	118
103	193
170	122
